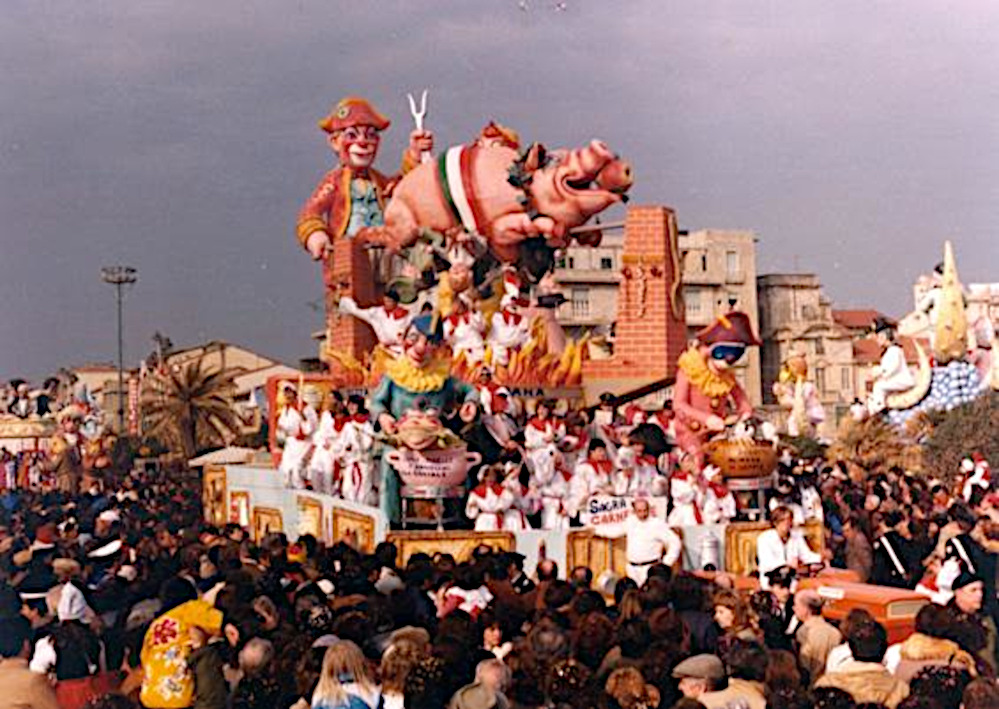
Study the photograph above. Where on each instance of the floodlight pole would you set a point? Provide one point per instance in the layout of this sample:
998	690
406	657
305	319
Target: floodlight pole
119	277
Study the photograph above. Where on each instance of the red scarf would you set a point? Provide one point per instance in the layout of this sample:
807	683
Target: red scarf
601	466
481	489
540	424
512	318
396	313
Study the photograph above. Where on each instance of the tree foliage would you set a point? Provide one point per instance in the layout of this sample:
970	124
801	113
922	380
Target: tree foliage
955	434
190	408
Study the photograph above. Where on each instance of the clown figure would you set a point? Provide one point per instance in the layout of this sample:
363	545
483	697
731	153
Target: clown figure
706	391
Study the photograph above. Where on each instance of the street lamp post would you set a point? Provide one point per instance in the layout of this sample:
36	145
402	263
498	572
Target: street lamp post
119	277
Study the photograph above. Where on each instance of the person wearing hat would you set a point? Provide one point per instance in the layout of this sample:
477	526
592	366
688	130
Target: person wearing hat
509	330
352	196
707	391
892	374
967	608
66	450
388	320
296	424
420	378
699	674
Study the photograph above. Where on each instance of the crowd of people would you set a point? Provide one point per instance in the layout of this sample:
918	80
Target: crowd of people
128	598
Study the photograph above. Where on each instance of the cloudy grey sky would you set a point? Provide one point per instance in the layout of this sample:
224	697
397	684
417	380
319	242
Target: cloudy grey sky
179	137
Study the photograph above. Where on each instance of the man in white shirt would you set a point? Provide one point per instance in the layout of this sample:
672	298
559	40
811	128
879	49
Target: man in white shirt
649	540
781	546
296	424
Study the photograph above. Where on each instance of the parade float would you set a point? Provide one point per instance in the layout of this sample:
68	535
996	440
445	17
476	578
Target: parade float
955	365
442	325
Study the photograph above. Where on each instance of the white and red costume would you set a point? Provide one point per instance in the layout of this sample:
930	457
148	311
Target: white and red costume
509	331
684	490
354	446
590	477
389	324
295	426
717	502
324	466
554	493
541	440
526	501
979	474
638	475
464	332
488	505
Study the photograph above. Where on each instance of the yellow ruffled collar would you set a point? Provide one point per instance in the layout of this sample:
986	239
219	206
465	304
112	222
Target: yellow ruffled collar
430	377
703	378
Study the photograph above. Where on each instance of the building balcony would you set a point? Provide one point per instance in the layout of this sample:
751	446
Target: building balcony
587	275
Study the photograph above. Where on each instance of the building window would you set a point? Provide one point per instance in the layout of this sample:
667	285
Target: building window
820	380
572	262
692	301
704	262
732	264
820	346
560	263
580	303
844	378
606	263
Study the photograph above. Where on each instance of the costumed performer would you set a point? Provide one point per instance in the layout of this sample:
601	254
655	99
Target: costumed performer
717	501
356	446
389	320
649	540
892	373
685	492
296	424
706	390
591	476
509	330
489	501
420	379
66	450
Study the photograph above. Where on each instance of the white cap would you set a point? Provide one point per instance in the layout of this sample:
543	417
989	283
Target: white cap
110	516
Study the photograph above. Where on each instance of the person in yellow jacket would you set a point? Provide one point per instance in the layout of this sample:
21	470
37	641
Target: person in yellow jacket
168	682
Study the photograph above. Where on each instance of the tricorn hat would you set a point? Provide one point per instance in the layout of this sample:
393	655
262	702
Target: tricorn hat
353	111
733	327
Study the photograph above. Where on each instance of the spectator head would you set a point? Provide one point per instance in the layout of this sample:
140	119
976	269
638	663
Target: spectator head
255	656
176	591
547	570
868	642
832	698
782	671
594	637
981	694
807	604
781	519
343	663
932	620
634	638
747	661
944	684
969	591
963	516
855	617
399	658
699	674
15	634
627	687
622	586
730	611
494	674
581	577
558	595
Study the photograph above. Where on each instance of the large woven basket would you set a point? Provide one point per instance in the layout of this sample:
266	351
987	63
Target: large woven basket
742	459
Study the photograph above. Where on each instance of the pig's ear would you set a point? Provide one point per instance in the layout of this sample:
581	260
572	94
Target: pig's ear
535	158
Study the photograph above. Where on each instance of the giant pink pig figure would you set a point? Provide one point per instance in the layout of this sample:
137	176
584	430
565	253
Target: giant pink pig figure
505	197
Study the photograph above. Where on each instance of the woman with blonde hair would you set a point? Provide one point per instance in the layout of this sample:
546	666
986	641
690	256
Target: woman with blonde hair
399	658
346	681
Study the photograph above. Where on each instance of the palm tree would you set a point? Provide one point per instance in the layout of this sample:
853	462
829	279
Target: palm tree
189	407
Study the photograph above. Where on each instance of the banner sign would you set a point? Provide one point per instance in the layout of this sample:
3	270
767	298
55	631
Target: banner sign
602	510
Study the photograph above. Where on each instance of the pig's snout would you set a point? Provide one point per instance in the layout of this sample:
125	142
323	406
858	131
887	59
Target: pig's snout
616	176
